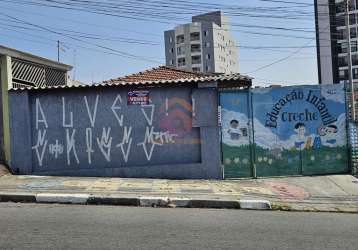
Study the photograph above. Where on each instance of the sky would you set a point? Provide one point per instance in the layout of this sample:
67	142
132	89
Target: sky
276	39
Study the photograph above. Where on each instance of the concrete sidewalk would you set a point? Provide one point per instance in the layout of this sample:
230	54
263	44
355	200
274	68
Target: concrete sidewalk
335	193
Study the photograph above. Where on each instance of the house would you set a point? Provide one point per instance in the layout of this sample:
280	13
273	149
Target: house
21	69
159	123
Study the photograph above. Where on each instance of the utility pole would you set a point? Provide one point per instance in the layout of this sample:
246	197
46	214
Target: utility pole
58	51
350	71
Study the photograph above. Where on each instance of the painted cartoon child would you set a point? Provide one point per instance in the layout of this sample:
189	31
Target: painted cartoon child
234	130
329	137
326	136
317	143
300	130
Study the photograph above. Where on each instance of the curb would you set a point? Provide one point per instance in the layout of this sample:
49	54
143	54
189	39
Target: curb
18	197
255	204
134	201
62	198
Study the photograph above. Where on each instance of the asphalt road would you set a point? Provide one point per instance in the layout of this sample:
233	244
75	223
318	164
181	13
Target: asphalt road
31	226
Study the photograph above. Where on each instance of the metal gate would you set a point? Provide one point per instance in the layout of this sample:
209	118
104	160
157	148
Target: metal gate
236	134
284	131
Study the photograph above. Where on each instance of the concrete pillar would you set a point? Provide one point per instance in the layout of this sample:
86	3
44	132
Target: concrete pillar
6	84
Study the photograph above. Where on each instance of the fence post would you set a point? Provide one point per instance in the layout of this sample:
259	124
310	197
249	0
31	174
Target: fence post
252	133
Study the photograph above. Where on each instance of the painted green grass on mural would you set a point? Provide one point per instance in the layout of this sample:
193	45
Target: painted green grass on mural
276	162
237	161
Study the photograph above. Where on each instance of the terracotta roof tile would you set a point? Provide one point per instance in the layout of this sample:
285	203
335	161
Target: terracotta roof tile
161	73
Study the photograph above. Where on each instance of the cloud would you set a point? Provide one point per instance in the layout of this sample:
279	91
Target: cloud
334	93
266	138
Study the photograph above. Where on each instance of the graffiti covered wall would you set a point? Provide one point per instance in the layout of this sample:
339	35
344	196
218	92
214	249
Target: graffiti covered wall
111	132
296	130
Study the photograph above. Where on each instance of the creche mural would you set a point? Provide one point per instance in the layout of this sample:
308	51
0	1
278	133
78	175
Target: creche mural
297	130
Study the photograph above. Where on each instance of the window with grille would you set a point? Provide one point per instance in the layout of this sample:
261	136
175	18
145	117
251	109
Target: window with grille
32	74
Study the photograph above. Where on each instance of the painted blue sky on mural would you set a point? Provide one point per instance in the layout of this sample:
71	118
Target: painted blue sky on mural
282	109
291	116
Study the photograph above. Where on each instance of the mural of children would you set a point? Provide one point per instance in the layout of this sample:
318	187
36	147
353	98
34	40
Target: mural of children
300	130
234	130
331	131
326	136
329	135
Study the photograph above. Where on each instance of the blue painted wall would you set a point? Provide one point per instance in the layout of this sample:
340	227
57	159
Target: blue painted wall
94	132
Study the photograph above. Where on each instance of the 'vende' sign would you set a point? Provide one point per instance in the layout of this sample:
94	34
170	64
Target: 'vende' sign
138	97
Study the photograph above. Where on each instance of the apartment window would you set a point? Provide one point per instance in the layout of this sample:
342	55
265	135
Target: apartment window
343	74
207	68
207	45
354	60
170	39
196	69
353	32
181	50
340	7
342	48
181	62
355	73
206	33
171	50
196	59
171	62
341	34
342	61
208	56
180	39
195	48
195	36
352	19
340	21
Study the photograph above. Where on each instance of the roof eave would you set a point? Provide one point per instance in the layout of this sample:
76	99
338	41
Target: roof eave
33	58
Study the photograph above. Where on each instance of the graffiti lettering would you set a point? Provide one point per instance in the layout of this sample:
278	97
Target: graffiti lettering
71	146
39	111
115	107
89	145
105	143
40	146
149	118
155	138
56	149
70	124
92	115
126	140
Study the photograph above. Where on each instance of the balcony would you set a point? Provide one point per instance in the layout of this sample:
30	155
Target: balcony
195	48
196	60
180	39
195	36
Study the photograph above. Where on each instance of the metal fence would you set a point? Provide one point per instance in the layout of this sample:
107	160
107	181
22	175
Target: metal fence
353	142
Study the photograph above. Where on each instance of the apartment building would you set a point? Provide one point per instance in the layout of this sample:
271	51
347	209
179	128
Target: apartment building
332	40
205	45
